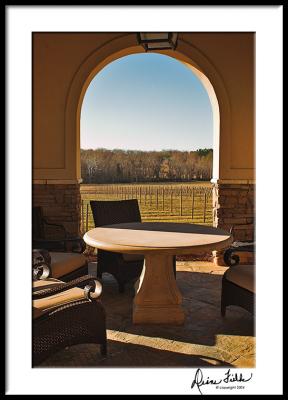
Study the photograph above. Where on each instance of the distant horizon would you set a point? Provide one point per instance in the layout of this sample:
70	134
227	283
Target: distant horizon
117	149
112	166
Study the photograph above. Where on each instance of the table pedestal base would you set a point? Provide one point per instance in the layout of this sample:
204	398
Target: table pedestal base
157	300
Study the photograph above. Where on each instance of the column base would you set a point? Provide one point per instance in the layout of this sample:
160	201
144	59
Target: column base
157	299
173	315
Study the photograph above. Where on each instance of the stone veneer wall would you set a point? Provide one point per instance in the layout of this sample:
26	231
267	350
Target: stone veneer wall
234	205
61	204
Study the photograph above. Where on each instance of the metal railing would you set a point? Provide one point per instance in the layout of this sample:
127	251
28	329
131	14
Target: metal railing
166	203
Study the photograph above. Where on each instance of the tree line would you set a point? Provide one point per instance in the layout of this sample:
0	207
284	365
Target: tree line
126	166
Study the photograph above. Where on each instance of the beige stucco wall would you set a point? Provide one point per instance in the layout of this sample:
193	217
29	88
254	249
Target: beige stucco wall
232	55
65	63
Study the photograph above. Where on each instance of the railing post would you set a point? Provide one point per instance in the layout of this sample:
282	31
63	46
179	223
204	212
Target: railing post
193	200
205	198
86	217
157	198
82	215
181	201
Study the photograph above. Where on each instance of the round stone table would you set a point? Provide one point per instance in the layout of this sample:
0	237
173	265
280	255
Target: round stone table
158	299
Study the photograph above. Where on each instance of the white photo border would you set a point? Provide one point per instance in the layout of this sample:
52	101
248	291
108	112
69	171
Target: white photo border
21	21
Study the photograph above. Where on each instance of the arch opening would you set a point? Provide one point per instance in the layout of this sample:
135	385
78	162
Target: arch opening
195	69
186	53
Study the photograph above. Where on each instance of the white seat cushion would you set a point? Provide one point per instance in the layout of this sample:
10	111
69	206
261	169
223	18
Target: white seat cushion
48	303
243	276
65	263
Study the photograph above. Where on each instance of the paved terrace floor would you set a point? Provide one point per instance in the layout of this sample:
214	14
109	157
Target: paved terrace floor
205	340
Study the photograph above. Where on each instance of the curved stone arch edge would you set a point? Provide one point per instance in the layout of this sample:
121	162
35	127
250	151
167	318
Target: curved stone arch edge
202	68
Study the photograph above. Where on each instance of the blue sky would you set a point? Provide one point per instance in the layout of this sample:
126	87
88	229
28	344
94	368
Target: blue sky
146	102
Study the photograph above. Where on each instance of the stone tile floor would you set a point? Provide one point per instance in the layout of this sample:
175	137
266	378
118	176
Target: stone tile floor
205	340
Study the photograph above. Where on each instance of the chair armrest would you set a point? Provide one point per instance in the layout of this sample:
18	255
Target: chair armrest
83	245
59	226
41	264
61	244
91	291
79	245
66	239
232	259
49	244
41	271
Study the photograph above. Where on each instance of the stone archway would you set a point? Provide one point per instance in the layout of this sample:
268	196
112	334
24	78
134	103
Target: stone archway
201	67
65	63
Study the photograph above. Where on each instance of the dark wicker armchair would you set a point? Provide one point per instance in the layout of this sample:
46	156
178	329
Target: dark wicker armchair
64	265
51	236
238	282
65	315
124	267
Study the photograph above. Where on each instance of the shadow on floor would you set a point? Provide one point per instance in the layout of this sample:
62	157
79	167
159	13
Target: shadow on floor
201	302
205	340
128	355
